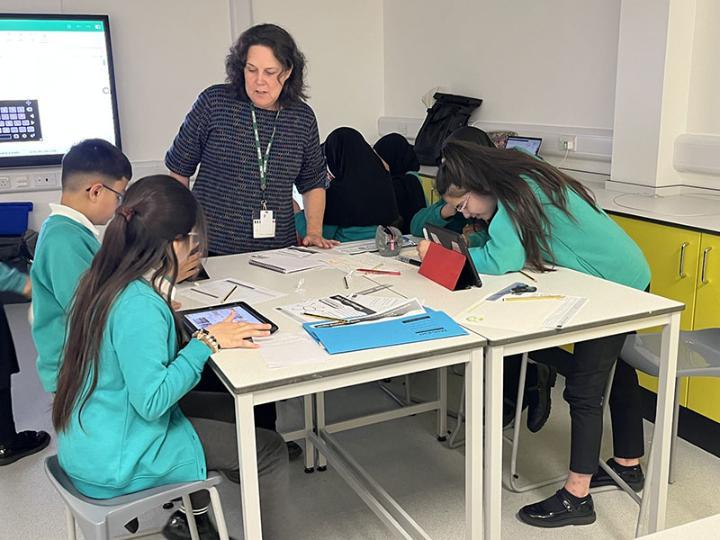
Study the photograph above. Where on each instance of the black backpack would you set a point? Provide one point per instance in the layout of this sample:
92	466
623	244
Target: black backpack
448	113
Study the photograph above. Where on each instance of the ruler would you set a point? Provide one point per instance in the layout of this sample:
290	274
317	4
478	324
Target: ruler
565	312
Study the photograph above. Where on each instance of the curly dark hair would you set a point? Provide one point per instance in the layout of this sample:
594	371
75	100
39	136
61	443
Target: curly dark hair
283	47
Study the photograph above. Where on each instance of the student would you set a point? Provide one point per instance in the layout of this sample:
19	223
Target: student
403	164
94	177
539	217
360	195
444	215
119	411
13	445
539	378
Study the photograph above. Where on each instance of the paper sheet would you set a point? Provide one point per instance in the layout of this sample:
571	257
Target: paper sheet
285	350
351	307
216	292
527	316
288	260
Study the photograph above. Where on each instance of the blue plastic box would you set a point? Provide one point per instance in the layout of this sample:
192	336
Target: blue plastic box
14	218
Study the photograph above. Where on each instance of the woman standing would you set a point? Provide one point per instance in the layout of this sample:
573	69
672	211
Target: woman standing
254	138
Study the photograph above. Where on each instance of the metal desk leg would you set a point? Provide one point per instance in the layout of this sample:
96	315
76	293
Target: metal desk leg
247	454
492	496
655	495
309	426
320	426
474	446
442	430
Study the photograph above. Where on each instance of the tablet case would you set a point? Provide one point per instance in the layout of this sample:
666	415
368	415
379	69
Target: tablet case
447	267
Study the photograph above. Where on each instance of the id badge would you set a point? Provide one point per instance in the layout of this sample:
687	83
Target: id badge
264	224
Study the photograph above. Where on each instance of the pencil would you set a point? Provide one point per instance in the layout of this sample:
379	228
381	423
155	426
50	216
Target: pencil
539	297
527	275
323	317
379	272
228	294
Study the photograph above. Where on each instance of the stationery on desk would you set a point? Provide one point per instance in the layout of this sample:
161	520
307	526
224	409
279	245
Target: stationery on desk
227	290
343	308
288	260
369	246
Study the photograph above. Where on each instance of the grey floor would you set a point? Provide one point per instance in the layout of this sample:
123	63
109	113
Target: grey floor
424	476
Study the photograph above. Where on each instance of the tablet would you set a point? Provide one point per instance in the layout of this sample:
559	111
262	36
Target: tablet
455	241
197	319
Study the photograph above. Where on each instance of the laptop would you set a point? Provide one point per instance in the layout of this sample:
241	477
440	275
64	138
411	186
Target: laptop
529	144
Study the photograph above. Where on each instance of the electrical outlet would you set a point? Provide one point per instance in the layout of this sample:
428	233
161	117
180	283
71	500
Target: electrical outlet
568	143
44	180
5	182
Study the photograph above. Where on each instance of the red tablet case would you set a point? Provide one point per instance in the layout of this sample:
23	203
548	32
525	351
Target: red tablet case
443	266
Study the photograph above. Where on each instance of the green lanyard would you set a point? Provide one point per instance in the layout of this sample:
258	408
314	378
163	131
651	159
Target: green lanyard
263	160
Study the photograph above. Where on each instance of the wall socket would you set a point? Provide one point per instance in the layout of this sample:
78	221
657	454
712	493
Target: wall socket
17	182
568	143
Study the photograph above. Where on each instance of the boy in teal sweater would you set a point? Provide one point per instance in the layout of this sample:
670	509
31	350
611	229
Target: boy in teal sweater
95	175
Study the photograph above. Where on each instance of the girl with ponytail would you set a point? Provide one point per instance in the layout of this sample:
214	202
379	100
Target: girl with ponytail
128	367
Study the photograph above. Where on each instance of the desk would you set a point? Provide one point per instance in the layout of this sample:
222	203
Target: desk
251	382
611	309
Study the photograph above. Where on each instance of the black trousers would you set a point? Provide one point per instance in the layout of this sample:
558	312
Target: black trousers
586	372
8	366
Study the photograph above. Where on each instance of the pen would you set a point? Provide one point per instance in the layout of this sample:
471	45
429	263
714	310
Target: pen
240	284
425	234
409	261
539	297
381	272
527	275
231	291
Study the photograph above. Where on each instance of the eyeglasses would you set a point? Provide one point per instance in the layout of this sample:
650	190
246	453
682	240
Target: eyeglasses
120	196
461	207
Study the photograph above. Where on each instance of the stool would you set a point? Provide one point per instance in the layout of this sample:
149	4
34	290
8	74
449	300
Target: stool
96	518
698	356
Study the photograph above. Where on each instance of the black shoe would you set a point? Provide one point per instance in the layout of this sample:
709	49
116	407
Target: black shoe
26	443
633	476
177	527
539	398
559	510
294	450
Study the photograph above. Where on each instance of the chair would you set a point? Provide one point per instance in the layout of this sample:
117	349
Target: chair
698	356
97	518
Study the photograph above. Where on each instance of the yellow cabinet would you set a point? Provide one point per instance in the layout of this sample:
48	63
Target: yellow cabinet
428	186
672	254
704	392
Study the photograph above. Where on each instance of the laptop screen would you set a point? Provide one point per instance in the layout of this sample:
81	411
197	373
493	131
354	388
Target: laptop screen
529	144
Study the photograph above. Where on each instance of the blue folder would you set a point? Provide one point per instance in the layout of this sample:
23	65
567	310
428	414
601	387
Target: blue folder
410	329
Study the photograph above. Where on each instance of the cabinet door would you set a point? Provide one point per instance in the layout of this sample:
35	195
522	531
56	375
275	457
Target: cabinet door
672	254
673	257
431	195
704	392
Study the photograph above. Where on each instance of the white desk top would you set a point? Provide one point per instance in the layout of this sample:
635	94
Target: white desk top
607	303
246	371
701	529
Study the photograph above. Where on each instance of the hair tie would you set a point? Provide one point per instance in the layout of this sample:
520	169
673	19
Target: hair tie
126	212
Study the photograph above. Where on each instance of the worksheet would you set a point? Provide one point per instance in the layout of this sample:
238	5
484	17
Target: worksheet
226	290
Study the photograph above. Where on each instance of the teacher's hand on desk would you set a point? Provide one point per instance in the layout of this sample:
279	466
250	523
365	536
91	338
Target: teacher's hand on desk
422	248
234	335
318	241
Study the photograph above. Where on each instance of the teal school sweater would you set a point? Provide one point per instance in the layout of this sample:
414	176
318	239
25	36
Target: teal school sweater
134	435
64	252
333	232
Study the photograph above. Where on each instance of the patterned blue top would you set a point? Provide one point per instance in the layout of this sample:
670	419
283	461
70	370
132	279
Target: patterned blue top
217	134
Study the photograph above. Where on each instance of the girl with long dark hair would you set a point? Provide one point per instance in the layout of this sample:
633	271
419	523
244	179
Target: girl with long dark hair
539	217
119	410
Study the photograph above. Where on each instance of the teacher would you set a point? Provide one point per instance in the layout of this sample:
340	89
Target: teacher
253	138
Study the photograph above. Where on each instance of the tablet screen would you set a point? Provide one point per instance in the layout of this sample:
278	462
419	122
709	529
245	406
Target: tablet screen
203	319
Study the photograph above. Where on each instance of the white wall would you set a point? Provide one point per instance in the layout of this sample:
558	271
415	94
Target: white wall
343	43
165	52
704	106
550	62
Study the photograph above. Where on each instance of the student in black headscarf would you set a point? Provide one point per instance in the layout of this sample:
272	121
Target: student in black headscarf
359	196
400	158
